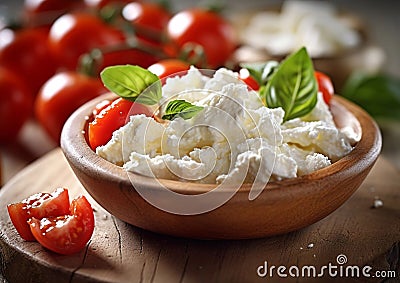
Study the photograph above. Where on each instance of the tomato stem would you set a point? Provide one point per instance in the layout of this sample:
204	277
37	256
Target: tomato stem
194	54
112	15
214	6
90	63
166	4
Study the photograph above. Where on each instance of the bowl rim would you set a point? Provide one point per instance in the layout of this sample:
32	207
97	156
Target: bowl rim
76	150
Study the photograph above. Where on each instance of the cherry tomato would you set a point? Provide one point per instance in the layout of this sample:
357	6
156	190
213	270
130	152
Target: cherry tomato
100	106
167	67
146	17
245	76
149	21
60	96
111	118
27	53
15	104
73	35
39	206
325	86
42	12
66	233
207	29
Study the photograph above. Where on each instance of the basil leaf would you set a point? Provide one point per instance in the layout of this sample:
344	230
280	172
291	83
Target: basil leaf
133	83
180	108
378	94
292	86
261	71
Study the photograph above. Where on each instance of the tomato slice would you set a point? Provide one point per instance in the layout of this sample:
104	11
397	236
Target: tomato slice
325	86
111	118
19	217
39	206
66	234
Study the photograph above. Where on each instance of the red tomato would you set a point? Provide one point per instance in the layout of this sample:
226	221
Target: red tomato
167	67
325	86
15	104
207	29
66	233
147	16
245	76
100	106
149	21
27	53
73	35
112	118
60	96
39	12
39	206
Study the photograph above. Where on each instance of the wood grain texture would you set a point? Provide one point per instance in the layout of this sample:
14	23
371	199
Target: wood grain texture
119	252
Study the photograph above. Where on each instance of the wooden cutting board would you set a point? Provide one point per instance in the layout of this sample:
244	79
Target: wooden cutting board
119	252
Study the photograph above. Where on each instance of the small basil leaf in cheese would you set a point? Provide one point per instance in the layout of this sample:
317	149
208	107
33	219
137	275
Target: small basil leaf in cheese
180	108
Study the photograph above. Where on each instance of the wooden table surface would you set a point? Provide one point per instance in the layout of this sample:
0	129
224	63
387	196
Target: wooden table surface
119	252
187	261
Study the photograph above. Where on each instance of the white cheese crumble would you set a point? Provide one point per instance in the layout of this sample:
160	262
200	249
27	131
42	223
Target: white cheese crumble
314	24
235	138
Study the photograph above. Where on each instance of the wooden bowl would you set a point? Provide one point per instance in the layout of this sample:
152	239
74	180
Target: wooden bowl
282	206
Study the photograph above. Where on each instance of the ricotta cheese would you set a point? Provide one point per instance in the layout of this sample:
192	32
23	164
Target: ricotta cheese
314	24
235	138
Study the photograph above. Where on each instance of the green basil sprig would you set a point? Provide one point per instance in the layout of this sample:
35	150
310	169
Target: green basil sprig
133	83
261	71
290	85
180	108
142	86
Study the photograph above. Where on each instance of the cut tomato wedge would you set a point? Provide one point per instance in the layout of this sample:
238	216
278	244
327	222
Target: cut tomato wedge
111	118
65	234
39	206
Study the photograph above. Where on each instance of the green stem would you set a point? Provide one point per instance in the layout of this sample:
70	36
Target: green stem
90	62
194	54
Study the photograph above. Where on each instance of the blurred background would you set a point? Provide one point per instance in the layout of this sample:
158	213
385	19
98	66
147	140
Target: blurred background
381	19
364	62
